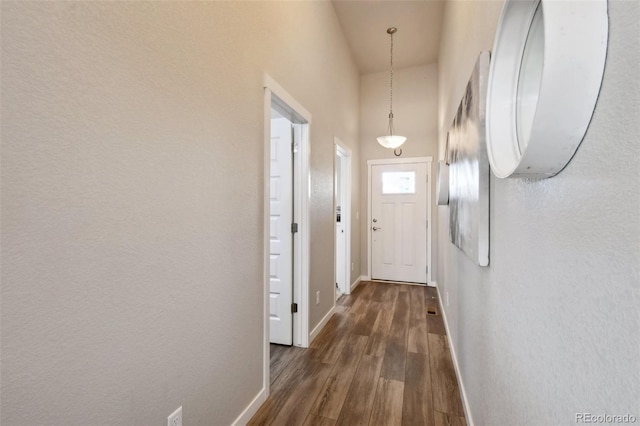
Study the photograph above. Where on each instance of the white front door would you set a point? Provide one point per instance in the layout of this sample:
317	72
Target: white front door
281	240
399	222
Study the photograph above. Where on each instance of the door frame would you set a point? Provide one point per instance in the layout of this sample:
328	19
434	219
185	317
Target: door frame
389	161
345	156
301	119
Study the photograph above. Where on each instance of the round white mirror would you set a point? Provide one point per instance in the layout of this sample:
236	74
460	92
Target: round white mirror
442	184
546	69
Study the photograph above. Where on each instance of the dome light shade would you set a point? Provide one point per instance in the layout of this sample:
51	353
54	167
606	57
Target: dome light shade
391	141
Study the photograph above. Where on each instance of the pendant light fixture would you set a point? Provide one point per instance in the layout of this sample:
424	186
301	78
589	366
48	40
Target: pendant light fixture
390	140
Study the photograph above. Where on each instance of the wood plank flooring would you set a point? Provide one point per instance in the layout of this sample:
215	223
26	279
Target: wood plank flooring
381	361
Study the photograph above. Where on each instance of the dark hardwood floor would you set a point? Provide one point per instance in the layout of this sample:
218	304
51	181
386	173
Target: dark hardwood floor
381	361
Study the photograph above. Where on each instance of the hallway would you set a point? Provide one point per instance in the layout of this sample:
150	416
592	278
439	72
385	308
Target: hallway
383	359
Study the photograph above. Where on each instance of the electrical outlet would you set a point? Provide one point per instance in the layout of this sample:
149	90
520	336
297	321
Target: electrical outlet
357	215
175	418
317	297
447	298
351	266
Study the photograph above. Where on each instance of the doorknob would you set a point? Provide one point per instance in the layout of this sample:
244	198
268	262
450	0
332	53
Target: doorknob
376	229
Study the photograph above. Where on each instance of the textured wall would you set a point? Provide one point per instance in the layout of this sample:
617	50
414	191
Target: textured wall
132	197
551	327
415	110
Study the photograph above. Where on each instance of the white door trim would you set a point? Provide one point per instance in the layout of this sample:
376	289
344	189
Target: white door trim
301	118
345	154
301	239
428	161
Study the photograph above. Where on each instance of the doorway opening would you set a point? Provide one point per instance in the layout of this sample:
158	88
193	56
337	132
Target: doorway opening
286	221
399	220
342	197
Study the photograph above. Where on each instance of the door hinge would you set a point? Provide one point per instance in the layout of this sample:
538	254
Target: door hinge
294	308
294	228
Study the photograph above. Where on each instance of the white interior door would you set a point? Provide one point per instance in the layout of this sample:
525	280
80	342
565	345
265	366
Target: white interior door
340	229
343	218
341	279
399	222
281	240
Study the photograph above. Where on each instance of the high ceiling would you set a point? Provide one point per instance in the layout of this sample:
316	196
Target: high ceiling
365	24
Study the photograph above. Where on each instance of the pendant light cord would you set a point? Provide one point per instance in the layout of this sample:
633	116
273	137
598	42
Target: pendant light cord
391	80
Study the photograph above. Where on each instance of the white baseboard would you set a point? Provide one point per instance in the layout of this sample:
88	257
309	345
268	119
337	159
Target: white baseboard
321	324
465	401
359	280
251	409
433	284
356	283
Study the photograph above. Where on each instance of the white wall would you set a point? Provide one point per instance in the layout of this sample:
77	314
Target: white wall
415	110
132	200
551	327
